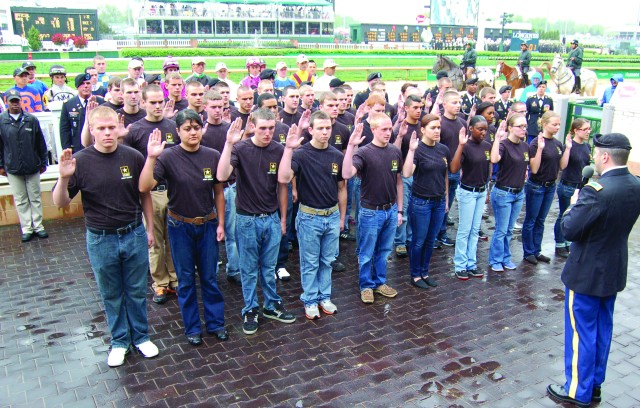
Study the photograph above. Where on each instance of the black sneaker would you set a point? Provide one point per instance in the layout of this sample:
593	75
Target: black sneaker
250	324
475	273
279	313
446	241
338	266
462	275
437	245
482	235
449	221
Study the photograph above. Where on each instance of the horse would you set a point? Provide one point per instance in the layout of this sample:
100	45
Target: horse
512	76
565	80
483	74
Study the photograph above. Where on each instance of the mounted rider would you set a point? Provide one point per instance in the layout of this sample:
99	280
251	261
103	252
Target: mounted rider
574	63
524	61
468	64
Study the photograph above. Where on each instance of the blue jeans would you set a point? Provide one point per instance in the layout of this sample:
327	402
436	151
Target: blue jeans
403	232
233	267
318	238
376	229
283	249
356	199
258	241
426	217
506	208
120	265
564	201
538	199
196	246
454	180
349	202
470	207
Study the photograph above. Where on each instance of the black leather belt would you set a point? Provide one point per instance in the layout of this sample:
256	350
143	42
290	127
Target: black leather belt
479	189
120	231
160	187
315	211
258	215
543	183
428	198
574	185
509	189
377	207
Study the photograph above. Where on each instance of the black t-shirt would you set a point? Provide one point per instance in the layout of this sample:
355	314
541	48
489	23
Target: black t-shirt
339	136
256	170
317	172
130	118
450	132
346	119
368	133
190	177
406	139
476	162
181	105
215	138
112	106
514	160
490	136
550	163
288	118
244	116
579	157
301	110
280	133
138	136
432	164
109	185
378	168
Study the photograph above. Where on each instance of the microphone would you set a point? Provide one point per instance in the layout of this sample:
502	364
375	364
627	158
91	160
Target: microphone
587	173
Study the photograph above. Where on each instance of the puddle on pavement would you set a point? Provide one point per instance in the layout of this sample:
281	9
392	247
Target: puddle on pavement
25	327
444	389
56	335
23	314
467	360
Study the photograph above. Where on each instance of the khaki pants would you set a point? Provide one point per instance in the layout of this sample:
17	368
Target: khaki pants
26	195
160	263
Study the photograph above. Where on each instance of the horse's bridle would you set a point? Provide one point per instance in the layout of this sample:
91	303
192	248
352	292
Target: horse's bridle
561	80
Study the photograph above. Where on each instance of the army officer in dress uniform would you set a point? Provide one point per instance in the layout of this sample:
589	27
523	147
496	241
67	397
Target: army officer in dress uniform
598	225
469	98
537	105
72	116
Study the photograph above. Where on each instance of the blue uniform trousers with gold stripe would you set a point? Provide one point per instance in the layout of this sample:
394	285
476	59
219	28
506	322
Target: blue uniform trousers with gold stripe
587	339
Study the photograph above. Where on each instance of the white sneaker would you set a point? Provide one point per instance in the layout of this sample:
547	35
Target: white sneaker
312	312
517	227
328	307
282	274
116	356
148	349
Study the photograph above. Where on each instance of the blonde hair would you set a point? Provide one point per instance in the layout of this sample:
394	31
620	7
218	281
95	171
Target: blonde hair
102	112
376	119
547	116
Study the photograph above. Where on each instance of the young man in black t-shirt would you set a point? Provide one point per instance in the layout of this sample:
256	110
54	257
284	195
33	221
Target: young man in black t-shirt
290	100
379	165
162	270
195	97
345	117
131	109
245	105
323	200
258	228
215	137
116	99
107	175
175	86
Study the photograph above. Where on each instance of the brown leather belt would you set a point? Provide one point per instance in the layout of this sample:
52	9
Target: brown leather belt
194	221
321	212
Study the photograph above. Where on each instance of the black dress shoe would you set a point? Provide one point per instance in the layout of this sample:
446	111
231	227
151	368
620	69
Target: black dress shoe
42	234
543	258
420	283
531	259
235	279
195	340
559	394
26	237
596	394
338	266
221	334
430	281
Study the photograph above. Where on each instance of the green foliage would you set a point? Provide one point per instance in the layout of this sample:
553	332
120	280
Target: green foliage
104	27
33	38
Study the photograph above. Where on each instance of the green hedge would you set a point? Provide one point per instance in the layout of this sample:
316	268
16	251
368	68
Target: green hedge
216	50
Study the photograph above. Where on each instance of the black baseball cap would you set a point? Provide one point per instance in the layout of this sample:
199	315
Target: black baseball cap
28	64
19	71
12	94
335	82
268	74
612	141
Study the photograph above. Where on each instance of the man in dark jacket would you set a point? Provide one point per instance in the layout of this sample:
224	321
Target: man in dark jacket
73	113
468	63
524	61
23	156
598	225
574	63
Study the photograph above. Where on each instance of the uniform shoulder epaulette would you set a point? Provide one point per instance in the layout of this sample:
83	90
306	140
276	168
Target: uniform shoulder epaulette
532	96
595	185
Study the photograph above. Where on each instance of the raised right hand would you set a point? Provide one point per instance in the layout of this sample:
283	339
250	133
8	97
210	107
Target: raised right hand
356	137
155	146
66	164
234	134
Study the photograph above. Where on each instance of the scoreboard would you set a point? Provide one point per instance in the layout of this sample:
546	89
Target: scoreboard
77	22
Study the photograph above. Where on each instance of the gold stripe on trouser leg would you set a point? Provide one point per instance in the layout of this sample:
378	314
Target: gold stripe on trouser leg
573	387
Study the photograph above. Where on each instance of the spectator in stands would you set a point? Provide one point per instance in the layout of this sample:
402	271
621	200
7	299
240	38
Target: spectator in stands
23	157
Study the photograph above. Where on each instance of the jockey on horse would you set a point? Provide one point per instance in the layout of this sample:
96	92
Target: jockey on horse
468	63
524	61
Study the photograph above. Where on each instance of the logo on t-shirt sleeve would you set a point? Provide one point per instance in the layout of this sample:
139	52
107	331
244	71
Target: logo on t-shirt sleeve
559	150
394	165
208	175
486	154
273	167
526	156
338	139
283	139
169	138
334	168
126	174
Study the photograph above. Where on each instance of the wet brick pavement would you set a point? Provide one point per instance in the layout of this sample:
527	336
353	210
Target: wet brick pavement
494	342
